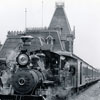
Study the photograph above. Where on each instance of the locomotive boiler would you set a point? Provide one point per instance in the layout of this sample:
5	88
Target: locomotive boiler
28	75
25	80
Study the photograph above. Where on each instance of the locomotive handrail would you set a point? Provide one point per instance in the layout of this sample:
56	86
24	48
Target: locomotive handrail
64	53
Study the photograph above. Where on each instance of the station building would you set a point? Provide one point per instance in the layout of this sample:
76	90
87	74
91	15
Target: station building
57	37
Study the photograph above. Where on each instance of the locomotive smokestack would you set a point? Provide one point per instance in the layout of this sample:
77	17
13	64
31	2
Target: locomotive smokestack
27	40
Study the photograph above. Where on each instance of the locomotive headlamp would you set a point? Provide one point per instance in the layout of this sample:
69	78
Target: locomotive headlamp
23	59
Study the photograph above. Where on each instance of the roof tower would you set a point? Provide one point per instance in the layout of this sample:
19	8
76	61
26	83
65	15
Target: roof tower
60	20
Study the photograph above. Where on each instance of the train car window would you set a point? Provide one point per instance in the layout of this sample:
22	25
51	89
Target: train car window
54	65
62	64
62	61
92	72
41	63
67	44
84	70
67	66
72	69
80	72
3	65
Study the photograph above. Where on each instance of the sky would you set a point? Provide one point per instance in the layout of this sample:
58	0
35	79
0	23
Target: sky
83	14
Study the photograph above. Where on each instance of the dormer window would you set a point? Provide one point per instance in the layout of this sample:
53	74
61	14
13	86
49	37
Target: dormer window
49	40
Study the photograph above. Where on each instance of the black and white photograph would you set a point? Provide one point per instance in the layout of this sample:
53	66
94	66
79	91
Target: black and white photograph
49	50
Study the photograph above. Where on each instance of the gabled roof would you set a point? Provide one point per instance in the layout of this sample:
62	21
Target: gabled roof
59	20
49	36
9	45
13	43
44	34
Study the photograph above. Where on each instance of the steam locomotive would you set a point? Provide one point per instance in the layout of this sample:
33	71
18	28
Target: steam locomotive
45	74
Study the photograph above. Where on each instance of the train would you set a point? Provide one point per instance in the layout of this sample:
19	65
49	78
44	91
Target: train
45	75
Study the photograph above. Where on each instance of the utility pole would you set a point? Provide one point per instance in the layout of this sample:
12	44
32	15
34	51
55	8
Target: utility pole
25	18
42	13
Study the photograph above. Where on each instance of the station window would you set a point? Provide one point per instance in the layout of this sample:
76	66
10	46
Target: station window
49	40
